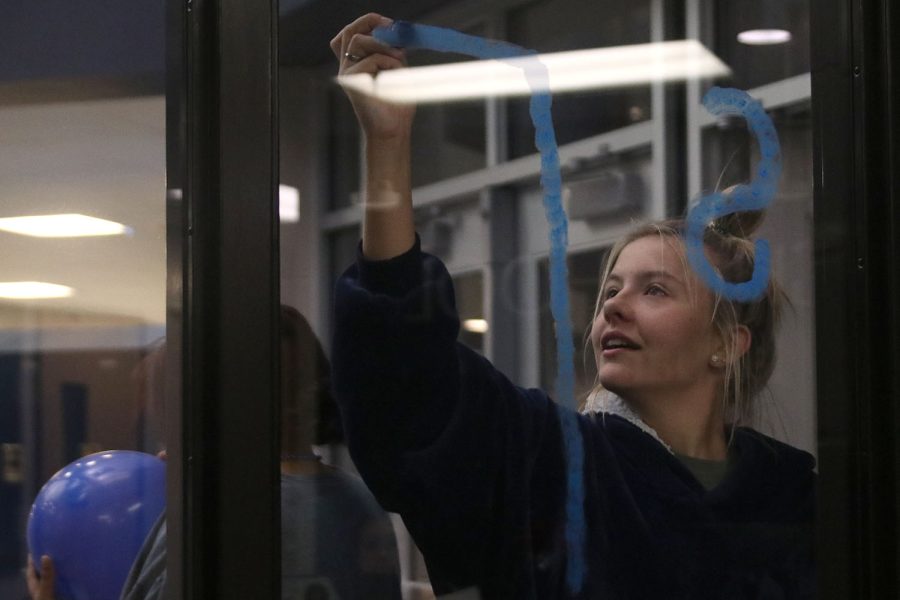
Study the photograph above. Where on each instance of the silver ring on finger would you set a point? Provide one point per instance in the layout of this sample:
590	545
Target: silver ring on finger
352	57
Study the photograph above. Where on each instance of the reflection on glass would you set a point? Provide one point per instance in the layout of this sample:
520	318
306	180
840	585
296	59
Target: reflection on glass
470	304
337	542
559	25
452	139
342	247
763	42
584	280
586	69
82	286
83	291
343	152
728	159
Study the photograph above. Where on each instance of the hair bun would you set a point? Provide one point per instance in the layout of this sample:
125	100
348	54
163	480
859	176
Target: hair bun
739	224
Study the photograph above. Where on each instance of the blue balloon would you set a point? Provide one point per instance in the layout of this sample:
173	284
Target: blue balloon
91	518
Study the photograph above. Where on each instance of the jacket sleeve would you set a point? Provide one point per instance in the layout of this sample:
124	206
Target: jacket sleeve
437	433
147	579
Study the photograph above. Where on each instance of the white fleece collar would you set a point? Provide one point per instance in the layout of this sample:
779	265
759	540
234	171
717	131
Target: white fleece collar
606	403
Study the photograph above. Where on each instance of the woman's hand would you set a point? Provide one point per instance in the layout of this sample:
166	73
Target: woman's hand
358	52
388	226
41	588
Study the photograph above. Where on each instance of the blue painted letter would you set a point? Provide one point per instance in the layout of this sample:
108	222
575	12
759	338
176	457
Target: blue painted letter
755	196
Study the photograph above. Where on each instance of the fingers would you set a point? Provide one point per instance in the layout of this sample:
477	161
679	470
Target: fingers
372	64
41	588
48	578
32	580
361	46
359	53
354	44
364	25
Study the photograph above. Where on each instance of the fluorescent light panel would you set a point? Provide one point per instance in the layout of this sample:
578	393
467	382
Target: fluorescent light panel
475	325
595	68
65	225
288	204
764	37
33	290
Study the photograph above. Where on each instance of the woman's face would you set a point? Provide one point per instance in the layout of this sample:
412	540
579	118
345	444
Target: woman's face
654	330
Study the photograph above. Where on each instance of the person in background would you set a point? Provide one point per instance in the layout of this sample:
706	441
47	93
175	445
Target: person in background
680	498
337	542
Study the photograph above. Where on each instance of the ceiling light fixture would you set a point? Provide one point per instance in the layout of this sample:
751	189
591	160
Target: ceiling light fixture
764	37
33	290
475	325
595	68
64	225
288	204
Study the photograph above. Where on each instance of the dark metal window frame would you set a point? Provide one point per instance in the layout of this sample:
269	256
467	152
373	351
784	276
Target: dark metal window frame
224	539
854	81
224	534
854	99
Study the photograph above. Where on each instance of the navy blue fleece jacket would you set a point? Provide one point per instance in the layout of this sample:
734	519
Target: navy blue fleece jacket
475	466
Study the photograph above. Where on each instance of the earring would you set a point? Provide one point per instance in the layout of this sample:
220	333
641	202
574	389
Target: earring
716	360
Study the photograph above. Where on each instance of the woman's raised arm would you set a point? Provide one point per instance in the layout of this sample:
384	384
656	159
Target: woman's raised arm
388	227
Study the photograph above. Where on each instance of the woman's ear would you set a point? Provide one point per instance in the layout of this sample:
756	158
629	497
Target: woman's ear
742	340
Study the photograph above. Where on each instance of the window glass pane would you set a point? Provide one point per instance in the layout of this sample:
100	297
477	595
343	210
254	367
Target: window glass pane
344	151
745	32
566	25
470	304
584	278
343	249
451	139
337	541
729	156
82	293
342	252
454	406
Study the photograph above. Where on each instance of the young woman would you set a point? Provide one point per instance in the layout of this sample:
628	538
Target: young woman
680	501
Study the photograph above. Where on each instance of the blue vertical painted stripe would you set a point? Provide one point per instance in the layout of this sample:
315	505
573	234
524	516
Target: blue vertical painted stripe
407	35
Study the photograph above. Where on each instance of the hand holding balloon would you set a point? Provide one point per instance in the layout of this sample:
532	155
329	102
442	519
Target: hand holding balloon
41	588
92	517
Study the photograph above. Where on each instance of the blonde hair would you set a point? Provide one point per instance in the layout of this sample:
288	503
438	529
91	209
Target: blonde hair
732	254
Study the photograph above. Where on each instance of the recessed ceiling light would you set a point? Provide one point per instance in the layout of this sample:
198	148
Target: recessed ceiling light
33	290
764	37
475	325
65	225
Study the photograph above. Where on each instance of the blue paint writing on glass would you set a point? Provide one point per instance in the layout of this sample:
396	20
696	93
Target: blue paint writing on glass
756	196
407	35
